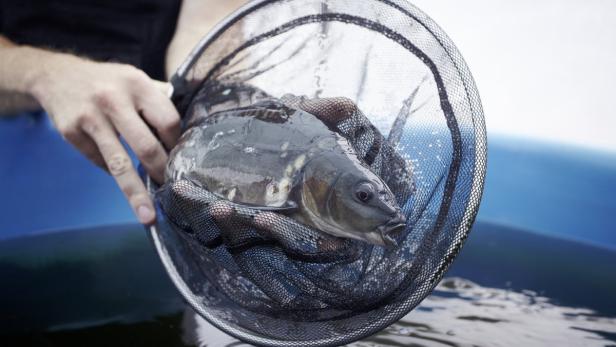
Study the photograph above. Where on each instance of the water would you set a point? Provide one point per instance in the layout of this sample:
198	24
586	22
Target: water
102	287
462	313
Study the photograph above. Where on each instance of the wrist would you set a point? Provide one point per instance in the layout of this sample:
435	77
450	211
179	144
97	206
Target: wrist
44	67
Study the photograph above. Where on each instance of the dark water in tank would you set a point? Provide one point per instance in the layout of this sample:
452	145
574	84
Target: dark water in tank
105	287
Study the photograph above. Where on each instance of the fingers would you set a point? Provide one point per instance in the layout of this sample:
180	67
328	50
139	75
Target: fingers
139	137
269	224
221	211
120	167
235	223
86	146
164	87
268	221
158	111
359	131
287	231
227	215
330	110
303	242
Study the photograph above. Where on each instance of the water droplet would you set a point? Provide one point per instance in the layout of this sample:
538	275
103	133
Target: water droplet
231	194
299	161
404	331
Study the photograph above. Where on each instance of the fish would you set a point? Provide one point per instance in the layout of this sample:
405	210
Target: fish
271	157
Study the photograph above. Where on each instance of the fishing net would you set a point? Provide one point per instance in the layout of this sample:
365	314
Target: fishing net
380	74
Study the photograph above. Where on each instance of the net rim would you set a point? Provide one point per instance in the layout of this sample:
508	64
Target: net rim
461	233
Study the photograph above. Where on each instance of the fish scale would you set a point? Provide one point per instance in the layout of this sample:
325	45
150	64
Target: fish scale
270	133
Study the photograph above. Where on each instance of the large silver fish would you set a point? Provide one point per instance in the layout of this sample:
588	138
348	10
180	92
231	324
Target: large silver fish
272	157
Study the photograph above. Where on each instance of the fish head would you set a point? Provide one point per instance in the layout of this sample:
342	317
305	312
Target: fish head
366	207
355	203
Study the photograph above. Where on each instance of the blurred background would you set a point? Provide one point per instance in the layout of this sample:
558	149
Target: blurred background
546	227
544	69
546	77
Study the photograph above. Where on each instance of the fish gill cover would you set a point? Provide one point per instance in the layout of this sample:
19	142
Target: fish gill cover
331	165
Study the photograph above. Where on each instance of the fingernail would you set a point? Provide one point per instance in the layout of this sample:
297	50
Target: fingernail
145	214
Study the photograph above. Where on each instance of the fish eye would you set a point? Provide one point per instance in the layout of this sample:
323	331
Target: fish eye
364	192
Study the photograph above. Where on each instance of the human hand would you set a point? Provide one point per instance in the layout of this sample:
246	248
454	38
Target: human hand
92	104
214	221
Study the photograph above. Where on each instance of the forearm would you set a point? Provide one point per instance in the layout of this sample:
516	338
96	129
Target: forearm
12	98
197	18
93	104
21	69
13	103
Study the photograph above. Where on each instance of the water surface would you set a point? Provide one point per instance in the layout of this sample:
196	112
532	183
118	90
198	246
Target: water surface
102	287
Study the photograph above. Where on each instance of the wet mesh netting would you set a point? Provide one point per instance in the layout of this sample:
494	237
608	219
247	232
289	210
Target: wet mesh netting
382	76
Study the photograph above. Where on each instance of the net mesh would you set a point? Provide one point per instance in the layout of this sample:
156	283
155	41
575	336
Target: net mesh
382	75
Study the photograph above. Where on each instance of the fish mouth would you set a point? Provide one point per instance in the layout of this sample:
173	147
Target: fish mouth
383	234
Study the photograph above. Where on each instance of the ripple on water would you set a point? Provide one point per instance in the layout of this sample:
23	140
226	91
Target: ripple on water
462	313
